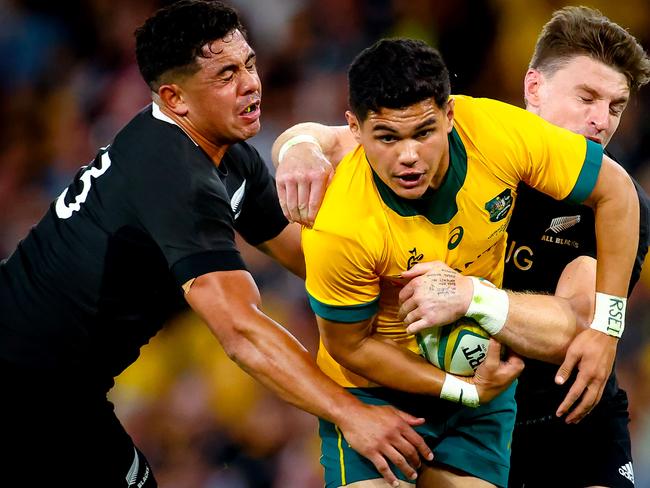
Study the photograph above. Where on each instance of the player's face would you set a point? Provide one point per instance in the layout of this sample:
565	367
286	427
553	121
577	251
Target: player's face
584	96
223	97
407	148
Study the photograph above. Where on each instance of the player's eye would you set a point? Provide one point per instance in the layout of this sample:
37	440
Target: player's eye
424	134
586	99
387	138
616	111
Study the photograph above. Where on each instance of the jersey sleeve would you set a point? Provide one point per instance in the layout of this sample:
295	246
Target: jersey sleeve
261	218
563	164
182	204
342	285
551	159
644	235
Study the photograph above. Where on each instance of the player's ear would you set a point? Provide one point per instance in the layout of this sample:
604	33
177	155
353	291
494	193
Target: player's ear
532	84
449	112
354	125
171	96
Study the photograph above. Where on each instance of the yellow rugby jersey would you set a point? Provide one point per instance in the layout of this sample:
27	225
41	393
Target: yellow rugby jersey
364	233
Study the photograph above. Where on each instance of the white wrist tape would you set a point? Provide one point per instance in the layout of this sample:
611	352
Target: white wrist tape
459	391
299	139
609	316
489	306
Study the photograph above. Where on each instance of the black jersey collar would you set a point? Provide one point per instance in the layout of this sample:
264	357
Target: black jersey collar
157	113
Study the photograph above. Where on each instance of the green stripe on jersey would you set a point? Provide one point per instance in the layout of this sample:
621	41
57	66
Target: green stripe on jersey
588	174
344	313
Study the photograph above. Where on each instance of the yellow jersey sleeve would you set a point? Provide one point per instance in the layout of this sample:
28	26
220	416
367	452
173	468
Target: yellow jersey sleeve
551	159
341	283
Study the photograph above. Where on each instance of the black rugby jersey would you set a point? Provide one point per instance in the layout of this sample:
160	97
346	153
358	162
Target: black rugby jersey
102	271
544	235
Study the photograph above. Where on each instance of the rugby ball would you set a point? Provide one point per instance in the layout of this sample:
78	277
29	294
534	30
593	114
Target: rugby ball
458	348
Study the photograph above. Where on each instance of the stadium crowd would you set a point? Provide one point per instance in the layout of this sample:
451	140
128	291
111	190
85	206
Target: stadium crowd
69	81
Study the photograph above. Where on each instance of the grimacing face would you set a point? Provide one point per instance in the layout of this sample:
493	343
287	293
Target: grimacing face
584	95
407	148
223	97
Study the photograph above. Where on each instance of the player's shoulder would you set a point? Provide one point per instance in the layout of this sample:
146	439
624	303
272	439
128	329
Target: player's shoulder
489	111
482	104
153	152
351	206
152	138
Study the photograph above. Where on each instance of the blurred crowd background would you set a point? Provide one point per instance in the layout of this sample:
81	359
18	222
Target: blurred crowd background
68	82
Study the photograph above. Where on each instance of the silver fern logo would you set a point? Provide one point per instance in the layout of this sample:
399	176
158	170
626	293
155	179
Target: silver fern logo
559	224
132	475
237	198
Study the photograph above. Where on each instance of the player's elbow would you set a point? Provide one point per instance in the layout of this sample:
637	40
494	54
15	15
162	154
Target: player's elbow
238	334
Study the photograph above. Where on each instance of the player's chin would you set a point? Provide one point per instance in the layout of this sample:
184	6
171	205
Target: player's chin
248	130
410	188
410	193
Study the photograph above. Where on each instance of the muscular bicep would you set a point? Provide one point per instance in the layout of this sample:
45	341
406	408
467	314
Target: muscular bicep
610	176
344	339
226	301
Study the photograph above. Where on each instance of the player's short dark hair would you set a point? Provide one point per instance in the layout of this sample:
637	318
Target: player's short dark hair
170	41
394	74
575	31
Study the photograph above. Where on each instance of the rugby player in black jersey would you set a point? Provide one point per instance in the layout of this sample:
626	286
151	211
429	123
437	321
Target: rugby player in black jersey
143	230
581	75
581	78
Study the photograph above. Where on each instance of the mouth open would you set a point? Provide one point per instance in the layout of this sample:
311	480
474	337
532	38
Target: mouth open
410	177
409	180
251	108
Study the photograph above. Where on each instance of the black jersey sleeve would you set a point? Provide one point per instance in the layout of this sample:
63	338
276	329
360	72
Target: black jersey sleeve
644	235
180	201
261	218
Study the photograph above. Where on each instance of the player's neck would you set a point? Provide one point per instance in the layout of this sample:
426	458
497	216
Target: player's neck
214	151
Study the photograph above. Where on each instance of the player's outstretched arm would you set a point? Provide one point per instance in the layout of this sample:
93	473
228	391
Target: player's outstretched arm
305	156
616	207
228	301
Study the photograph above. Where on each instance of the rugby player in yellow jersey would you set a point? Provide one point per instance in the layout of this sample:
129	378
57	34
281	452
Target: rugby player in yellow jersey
424	177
